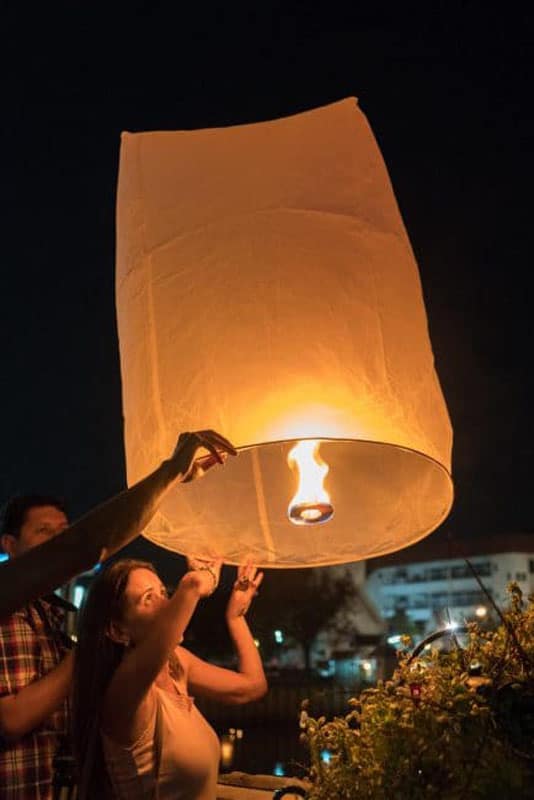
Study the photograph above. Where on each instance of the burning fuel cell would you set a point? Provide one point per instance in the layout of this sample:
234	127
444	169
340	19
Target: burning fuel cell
266	288
311	504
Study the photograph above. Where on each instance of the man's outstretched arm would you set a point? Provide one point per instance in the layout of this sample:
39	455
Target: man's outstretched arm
106	529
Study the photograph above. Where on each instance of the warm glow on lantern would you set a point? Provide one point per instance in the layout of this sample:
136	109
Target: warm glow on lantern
267	289
311	503
291	417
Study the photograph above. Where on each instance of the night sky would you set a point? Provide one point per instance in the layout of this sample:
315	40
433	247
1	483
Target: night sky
448	93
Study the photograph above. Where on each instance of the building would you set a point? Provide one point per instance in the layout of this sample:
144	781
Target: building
348	649
433	591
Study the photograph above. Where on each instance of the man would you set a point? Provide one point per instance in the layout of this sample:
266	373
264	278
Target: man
35	663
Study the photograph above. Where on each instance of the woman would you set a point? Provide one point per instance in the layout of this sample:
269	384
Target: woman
137	732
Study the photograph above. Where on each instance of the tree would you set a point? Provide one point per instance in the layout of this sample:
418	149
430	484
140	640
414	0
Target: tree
301	603
400	624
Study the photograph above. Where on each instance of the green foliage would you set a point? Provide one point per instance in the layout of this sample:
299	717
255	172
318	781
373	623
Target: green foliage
448	725
300	602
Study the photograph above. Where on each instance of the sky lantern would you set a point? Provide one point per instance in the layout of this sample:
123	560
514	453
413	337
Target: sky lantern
266	288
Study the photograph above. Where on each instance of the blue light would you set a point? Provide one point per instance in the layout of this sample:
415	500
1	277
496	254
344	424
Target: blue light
279	637
79	592
326	755
4	557
279	769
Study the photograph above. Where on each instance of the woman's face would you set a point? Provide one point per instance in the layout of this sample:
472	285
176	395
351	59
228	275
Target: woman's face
144	596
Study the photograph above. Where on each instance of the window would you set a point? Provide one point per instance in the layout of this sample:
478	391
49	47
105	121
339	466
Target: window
399	576
472	598
461	599
420	601
415	578
461	572
437	574
520	576
439	600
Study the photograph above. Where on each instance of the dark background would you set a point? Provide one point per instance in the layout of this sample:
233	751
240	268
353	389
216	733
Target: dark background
447	88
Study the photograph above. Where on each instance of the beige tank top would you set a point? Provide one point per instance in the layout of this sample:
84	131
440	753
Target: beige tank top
189	755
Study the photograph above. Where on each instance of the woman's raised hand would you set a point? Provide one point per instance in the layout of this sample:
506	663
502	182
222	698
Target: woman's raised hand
189	444
244	590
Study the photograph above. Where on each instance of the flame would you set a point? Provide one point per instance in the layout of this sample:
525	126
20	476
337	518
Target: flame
311	503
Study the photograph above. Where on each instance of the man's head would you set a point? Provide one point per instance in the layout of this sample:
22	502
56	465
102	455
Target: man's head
29	520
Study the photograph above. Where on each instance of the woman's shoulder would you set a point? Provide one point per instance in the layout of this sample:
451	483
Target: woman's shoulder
179	663
181	652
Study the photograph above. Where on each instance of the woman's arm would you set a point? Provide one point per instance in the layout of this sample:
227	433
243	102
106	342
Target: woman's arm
226	685
127	707
105	530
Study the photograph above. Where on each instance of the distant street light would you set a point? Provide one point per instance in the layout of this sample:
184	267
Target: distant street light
227	750
481	612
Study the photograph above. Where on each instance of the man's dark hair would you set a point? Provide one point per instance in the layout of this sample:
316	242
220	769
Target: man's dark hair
15	510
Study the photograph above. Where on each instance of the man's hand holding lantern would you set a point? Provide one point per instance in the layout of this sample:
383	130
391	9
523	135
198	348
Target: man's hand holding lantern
185	453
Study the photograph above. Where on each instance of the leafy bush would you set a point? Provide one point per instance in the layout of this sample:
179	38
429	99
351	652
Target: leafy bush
450	725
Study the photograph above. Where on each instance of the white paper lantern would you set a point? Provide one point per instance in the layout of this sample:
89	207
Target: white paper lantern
266	288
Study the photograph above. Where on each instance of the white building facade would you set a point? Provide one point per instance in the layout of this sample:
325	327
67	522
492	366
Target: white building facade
439	591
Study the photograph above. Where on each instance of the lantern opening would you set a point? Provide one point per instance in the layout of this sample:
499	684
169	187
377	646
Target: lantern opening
311	504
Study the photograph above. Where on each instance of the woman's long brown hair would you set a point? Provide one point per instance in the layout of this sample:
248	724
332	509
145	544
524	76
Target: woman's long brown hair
97	658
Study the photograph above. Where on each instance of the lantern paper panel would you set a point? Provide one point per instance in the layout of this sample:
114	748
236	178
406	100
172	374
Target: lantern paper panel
266	288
